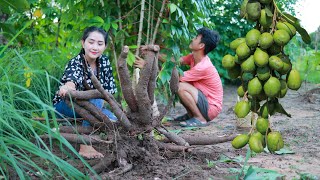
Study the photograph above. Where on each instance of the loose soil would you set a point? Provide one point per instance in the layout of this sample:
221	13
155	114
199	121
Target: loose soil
301	134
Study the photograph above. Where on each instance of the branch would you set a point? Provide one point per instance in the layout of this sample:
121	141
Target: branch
102	165
75	138
152	80
120	22
122	117
77	129
173	137
59	120
125	80
205	139
96	112
158	22
84	113
91	94
142	95
172	147
137	70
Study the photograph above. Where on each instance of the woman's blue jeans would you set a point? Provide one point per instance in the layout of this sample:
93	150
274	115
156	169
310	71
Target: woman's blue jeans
65	110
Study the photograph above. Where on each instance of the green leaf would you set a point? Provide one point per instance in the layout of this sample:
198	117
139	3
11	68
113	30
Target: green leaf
131	58
114	26
284	151
165	21
133	47
172	7
18	5
304	34
254	173
96	20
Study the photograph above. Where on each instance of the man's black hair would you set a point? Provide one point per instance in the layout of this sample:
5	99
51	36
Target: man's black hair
210	38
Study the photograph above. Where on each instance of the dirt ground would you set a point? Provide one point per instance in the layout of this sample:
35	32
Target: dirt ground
301	155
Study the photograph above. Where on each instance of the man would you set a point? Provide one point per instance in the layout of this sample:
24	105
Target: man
200	88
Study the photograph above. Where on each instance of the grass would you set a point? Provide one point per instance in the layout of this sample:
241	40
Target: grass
22	151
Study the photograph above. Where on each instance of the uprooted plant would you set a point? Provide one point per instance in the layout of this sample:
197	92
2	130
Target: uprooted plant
132	140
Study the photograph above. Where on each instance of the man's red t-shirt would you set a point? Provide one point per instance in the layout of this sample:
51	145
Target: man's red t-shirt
204	76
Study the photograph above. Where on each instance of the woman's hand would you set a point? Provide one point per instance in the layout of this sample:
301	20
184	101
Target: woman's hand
69	86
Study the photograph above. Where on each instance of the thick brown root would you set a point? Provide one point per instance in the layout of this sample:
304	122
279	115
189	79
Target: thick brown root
173	137
76	138
125	80
74	130
201	139
122	117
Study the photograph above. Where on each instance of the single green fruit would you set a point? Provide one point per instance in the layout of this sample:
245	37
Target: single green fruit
264	19
240	141
248	65
241	91
254	87
266	109
242	109
274	49
252	38
272	87
265	40
286	64
234	72
292	29
293	80
262	125
228	61
274	141
255	144
263	73
283	88
260	137
253	10
275	63
281	37
261	58
265	1
282	26
235	43
243	51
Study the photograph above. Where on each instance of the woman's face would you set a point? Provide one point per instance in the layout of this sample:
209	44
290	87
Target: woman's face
94	45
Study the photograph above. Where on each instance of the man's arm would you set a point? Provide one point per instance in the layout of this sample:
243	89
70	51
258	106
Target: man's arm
139	62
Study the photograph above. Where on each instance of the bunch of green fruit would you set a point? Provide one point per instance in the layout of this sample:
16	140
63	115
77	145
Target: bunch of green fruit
264	69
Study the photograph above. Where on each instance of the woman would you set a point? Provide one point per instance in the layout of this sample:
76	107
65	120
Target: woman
76	78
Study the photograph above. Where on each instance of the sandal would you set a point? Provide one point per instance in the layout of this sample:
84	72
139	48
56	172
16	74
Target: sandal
193	122
182	117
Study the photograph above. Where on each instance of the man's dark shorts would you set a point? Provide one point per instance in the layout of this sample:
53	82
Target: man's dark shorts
203	105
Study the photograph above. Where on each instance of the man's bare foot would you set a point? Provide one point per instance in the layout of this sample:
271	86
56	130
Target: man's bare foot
89	152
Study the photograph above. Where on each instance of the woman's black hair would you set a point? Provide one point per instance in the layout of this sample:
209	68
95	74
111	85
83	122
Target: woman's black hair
210	38
94	29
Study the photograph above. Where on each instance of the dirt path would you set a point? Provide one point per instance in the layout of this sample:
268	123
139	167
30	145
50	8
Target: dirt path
301	134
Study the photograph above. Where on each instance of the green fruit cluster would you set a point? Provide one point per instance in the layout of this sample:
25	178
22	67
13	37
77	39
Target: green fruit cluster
265	71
